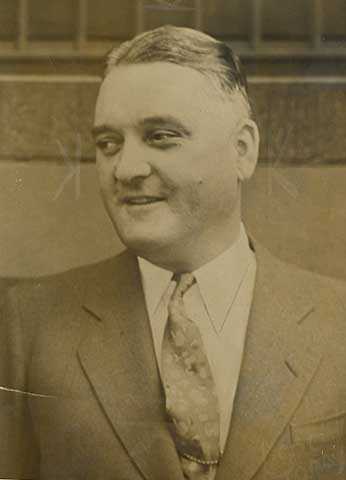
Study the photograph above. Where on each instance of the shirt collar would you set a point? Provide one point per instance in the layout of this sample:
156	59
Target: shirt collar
226	271
155	281
219	281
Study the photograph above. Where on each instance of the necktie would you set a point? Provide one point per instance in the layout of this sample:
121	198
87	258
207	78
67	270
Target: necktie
191	400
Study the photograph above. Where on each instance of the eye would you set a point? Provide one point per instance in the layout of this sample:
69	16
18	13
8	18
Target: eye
108	146
162	137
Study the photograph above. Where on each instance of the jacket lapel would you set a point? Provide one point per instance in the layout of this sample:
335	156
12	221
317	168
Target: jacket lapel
278	365
119	360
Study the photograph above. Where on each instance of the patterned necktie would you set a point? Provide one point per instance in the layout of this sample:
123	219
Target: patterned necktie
191	400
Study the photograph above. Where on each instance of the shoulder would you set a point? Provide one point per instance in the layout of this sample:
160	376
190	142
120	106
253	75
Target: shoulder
318	301
37	300
49	311
297	281
72	282
320	289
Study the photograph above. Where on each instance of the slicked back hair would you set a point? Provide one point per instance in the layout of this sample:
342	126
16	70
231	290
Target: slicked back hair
189	48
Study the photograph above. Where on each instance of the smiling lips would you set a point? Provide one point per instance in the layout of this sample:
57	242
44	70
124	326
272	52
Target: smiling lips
141	200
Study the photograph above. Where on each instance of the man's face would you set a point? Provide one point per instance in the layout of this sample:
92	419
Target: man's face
165	157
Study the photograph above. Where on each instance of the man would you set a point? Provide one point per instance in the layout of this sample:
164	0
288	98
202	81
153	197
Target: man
194	354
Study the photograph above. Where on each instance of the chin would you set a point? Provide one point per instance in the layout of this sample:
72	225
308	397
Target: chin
149	242
140	243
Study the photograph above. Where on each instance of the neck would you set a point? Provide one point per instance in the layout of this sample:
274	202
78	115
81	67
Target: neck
195	253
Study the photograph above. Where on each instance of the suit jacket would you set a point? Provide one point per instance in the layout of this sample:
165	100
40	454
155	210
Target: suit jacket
81	397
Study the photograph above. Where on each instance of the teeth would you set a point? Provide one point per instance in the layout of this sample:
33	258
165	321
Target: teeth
142	201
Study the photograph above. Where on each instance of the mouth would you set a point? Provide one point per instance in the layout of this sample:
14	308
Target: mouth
141	200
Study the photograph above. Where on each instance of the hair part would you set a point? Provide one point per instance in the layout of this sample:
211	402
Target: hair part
189	48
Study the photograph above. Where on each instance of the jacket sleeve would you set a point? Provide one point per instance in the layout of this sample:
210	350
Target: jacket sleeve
18	452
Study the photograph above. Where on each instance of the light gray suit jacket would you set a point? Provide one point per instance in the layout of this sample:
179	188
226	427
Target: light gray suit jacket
81	396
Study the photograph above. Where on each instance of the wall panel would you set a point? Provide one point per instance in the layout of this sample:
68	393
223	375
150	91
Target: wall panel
52	20
109	19
8	19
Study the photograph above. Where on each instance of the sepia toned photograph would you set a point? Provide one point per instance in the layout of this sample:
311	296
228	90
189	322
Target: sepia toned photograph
172	242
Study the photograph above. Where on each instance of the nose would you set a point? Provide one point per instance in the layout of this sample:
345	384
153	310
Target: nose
131	163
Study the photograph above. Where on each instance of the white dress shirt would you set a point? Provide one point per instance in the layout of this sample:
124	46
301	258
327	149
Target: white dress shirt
219	303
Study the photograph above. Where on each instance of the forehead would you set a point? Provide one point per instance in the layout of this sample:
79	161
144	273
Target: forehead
132	92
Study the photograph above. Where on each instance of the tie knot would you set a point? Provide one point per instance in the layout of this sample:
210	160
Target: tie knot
184	282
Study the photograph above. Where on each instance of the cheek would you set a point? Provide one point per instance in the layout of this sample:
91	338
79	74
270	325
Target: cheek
105	175
189	202
100	170
216	194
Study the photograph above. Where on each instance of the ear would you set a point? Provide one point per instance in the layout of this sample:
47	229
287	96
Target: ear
247	147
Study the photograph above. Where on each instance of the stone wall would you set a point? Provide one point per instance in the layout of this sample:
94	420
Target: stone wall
301	121
51	215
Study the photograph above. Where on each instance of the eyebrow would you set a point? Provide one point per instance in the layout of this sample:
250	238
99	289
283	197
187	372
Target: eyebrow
167	121
104	128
